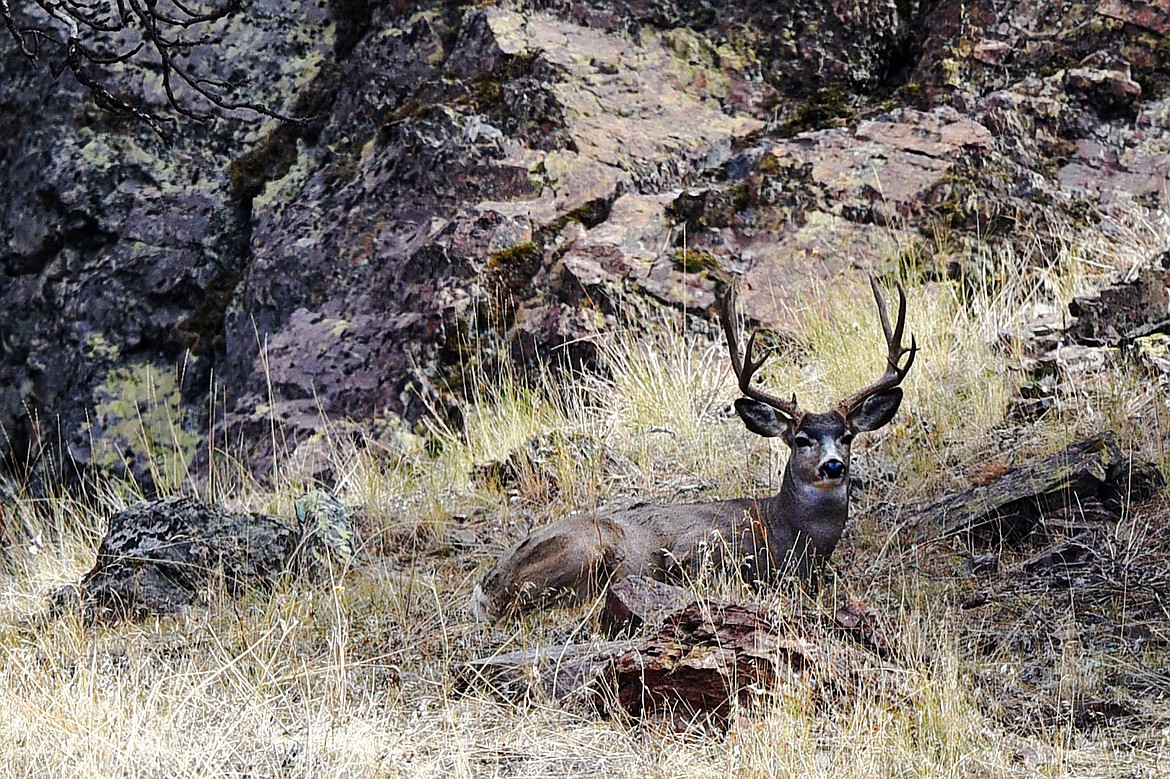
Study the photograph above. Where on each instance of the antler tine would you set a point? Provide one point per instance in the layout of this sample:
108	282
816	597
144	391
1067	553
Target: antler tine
745	367
894	374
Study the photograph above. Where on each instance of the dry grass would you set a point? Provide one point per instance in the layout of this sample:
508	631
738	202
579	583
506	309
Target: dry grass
289	687
355	680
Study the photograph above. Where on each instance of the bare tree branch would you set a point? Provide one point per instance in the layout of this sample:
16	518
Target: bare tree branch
87	36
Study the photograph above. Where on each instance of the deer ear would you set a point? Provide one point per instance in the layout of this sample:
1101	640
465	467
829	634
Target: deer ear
761	418
875	411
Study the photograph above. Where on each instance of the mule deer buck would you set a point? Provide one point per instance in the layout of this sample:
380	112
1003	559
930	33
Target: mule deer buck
792	532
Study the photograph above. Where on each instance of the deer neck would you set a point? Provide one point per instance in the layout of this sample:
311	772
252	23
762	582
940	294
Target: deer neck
810	512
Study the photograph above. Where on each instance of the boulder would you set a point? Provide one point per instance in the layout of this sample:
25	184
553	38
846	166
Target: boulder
164	556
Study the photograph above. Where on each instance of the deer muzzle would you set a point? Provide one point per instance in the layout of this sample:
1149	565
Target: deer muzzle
832	469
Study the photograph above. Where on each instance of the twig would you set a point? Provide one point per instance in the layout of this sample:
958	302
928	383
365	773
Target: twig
132	33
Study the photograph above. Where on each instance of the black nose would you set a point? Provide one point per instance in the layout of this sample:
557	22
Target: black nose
833	469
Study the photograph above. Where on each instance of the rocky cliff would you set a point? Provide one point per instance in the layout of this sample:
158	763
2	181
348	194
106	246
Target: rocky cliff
453	185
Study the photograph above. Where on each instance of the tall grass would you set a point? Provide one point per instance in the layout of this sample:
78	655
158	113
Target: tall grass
355	680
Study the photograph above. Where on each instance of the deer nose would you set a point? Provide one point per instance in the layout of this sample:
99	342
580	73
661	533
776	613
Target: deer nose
833	469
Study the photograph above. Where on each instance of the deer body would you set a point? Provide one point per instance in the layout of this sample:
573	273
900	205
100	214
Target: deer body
792	532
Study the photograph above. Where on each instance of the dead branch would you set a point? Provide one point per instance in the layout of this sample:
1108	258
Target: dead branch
89	38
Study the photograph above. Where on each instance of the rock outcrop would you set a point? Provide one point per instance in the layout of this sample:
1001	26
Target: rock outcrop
498	174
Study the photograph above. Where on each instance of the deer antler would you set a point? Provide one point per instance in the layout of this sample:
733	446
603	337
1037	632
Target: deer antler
746	367
893	375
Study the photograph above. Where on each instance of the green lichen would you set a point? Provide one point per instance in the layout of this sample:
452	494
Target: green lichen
829	107
952	69
136	425
694	260
699	63
98	348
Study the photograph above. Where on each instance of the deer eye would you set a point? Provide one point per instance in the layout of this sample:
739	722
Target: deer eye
803	441
847	439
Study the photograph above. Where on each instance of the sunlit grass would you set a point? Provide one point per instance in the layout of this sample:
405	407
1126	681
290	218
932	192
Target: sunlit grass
355	680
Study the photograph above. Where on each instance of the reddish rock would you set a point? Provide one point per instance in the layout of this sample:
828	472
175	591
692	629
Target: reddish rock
1153	16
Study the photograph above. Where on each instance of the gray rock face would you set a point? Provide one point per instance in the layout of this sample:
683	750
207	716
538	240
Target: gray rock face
117	250
494	176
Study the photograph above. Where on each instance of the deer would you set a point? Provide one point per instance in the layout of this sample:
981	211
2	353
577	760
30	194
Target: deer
790	534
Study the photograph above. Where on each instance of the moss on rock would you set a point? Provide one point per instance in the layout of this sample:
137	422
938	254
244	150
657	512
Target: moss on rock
828	107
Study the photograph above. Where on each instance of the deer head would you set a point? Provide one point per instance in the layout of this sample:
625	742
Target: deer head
820	441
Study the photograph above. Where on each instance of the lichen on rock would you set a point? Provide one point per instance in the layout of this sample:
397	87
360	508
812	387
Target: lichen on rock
168	555
138	427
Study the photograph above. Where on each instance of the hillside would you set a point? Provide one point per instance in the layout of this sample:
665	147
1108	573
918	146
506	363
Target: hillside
461	271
